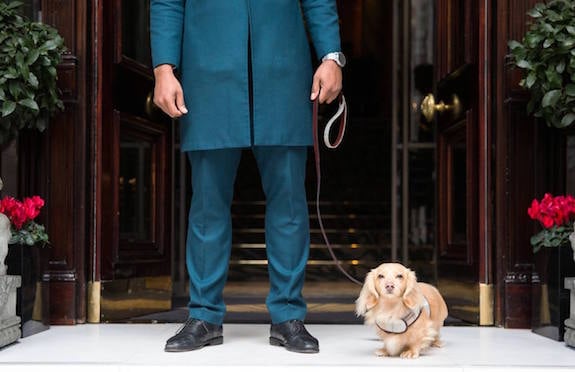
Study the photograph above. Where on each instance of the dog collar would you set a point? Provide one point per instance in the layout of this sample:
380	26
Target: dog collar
401	325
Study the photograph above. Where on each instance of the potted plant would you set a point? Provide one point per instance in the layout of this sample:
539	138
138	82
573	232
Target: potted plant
556	215
546	54
29	55
23	229
27	260
553	261
22	214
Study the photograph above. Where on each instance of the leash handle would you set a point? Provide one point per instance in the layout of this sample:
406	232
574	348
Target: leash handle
342	109
341	114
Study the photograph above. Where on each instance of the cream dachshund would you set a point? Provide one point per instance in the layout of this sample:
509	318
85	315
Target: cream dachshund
407	315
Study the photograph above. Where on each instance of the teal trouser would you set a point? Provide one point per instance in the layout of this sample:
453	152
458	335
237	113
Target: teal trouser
282	170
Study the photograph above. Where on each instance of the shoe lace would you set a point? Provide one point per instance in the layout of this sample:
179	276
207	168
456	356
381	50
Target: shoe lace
187	323
299	326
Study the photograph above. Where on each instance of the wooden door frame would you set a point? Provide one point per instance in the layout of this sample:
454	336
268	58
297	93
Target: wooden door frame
485	172
475	61
505	179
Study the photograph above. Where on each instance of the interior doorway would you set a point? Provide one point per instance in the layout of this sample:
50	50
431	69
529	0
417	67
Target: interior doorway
379	198
379	191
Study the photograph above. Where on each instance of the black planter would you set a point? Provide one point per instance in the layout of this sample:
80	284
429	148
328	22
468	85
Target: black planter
550	298
33	300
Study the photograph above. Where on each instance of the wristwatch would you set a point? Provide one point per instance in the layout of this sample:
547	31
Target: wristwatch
337	57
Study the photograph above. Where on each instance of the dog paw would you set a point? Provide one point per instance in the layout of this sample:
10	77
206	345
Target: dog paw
437	343
409	354
381	352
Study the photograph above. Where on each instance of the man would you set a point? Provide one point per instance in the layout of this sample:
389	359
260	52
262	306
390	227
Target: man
246	83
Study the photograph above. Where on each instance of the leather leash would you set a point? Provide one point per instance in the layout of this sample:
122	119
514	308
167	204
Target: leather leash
341	114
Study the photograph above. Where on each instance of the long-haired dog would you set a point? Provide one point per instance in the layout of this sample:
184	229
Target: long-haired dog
407	315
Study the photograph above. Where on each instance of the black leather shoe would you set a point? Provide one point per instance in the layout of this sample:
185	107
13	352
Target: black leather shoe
195	334
294	337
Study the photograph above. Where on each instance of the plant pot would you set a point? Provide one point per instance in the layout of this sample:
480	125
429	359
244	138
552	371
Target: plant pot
3	254
9	322
550	306
570	285
4	237
570	322
33	300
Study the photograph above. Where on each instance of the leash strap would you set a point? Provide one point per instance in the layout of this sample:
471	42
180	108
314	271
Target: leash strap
341	117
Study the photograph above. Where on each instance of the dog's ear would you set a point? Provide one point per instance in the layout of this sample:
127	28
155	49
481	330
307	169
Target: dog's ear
368	295
410	295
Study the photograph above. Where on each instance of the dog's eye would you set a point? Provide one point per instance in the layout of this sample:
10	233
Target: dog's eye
380	276
399	276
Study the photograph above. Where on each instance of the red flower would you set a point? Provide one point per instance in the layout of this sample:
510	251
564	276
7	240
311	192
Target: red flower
19	212
534	210
547	222
32	206
553	211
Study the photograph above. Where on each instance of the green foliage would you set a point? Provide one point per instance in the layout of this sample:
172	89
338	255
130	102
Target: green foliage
555	236
29	55
30	234
547	56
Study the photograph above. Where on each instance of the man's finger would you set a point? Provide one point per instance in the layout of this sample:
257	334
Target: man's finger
180	105
314	88
171	109
323	96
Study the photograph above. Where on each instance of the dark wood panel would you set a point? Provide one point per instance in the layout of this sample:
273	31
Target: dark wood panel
459	257
63	303
63	14
94	208
457	247
485	104
151	254
519	291
64	150
523	150
456	32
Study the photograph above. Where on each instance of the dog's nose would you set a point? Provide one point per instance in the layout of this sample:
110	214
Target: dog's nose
389	286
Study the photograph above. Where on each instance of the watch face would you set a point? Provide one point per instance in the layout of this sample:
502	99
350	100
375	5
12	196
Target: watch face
341	59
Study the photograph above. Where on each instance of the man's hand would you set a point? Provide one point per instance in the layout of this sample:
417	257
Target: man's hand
328	77
168	93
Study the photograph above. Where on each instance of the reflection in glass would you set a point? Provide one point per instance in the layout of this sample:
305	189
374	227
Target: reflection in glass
414	176
135	189
421	200
421	66
136	31
458	193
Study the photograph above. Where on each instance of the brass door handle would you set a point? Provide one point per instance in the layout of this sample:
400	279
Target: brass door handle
150	107
429	107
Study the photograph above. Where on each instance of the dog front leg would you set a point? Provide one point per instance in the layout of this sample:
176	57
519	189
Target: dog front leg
410	353
382	352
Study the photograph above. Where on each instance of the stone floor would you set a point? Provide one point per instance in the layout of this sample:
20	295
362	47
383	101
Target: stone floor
139	347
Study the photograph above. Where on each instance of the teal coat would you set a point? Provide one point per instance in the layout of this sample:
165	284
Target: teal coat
208	41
